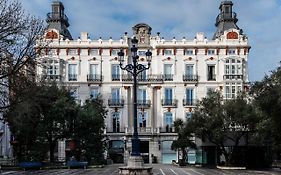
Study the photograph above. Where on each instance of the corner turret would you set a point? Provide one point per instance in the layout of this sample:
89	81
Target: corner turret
226	19
58	20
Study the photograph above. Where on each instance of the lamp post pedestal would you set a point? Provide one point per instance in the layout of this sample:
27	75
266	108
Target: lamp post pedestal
135	166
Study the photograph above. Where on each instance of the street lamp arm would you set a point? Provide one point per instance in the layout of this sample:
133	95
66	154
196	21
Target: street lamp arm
141	68
128	68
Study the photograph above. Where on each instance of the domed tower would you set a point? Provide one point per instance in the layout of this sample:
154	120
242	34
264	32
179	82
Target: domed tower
226	19
58	20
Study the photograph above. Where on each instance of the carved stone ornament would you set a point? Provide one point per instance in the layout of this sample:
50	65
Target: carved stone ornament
52	35
232	35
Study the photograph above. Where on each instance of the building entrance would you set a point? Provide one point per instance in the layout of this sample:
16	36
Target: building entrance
144	150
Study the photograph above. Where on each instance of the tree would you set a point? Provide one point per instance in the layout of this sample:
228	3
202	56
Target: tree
89	130
23	120
57	109
220	121
184	139
18	34
41	118
267	97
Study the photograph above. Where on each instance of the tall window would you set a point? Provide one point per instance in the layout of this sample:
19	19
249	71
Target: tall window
116	121
74	93
142	53
189	71
143	75
211	51
115	72
51	68
72	72
189	96
188	116
168	96
210	90
115	95
93	71
231	51
211	73
168	121
114	51
94	52
188	52
94	93
232	90
168	52
72	51
233	69
142	95
142	119
168	72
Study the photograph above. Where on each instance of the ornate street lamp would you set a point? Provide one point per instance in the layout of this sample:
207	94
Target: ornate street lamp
135	68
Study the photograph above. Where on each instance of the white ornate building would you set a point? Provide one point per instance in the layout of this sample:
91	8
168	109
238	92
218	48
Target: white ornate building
182	72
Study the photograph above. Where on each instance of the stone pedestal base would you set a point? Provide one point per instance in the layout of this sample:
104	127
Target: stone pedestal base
135	167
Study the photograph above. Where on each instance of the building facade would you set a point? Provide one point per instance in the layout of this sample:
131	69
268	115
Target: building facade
182	72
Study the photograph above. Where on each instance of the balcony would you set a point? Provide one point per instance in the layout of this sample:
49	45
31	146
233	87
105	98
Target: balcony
211	77
167	129
115	77
168	77
144	104
94	78
116	130
142	130
190	78
189	102
72	77
169	103
52	77
57	16
114	103
143	79
225	17
233	77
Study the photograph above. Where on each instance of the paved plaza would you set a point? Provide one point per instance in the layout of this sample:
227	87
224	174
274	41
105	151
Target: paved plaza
157	170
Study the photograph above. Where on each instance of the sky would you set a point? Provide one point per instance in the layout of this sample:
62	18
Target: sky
259	19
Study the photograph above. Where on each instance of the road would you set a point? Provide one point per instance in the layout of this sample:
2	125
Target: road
157	170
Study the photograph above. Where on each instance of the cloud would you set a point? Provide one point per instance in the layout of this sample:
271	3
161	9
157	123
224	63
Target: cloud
260	20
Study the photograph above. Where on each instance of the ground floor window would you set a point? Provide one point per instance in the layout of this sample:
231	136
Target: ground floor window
116	121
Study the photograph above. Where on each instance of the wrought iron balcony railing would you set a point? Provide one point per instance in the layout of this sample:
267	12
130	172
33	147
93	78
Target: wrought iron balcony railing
115	102
212	77
167	129
226	16
144	103
141	130
115	77
57	16
94	78
72	77
148	78
233	77
190	78
52	77
189	102
168	77
169	102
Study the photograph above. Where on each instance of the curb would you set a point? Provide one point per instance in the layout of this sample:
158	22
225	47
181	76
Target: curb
230	168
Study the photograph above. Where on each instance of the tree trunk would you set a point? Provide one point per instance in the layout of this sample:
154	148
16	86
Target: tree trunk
52	146
182	161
